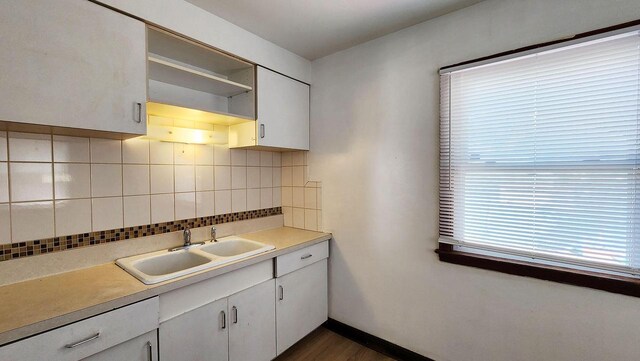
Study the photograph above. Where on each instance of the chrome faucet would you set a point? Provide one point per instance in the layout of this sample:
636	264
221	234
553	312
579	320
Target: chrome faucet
213	234
186	236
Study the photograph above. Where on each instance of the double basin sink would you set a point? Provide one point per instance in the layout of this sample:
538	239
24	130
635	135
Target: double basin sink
162	266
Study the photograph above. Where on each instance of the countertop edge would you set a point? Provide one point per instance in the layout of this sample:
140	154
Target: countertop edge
33	329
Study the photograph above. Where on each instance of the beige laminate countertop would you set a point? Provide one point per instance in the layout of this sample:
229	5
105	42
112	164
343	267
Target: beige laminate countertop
34	306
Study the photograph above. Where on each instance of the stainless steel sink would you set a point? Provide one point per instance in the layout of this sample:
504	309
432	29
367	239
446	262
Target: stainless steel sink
161	266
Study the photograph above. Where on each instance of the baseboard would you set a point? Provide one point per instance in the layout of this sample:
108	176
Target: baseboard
373	342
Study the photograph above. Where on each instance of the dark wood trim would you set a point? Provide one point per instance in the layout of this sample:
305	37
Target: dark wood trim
373	342
540	45
600	281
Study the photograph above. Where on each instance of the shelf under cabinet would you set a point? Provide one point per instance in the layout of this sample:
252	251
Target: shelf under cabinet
196	115
163	70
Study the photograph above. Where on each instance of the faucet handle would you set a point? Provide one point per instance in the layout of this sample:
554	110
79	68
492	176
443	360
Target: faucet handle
213	233
186	235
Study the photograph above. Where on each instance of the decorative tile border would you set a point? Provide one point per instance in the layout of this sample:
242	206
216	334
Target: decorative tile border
56	244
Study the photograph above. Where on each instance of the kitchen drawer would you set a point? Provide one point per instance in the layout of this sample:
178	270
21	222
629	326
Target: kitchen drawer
301	258
112	328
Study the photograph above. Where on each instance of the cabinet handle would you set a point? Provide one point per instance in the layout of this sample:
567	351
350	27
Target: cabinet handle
139	112
234	312
306	256
224	320
149	351
262	131
72	345
281	293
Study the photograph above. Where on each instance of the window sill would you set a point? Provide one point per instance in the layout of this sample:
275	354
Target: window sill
600	281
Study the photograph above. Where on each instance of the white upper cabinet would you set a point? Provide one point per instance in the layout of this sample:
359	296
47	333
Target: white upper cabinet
72	64
283	111
283	115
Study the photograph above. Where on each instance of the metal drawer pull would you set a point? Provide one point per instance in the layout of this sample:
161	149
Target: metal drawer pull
234	310
306	256
139	111
72	345
224	320
281	293
261	130
149	351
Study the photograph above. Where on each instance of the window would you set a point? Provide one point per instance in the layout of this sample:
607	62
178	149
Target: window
540	155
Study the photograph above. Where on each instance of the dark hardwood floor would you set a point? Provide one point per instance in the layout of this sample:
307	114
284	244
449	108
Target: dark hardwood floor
325	345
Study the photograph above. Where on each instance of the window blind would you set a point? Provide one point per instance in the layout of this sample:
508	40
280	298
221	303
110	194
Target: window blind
539	155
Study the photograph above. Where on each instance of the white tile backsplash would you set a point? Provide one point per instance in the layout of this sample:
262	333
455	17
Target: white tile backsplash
277	197
160	152
5	224
223	202
106	150
238	157
253	158
185	205
185	178
298	217
71	149
135	179
184	153
31	221
266	159
205	204
238	177
106	213
73	217
204	178
239	200
162	208
137	210
76	184
106	180
204	154
135	151
3	147
253	199
72	180
221	155
31	181
266	177
253	177
266	197
222	176
161	178
27	147
4	182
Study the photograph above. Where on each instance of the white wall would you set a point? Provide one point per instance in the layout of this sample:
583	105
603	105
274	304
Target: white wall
374	145
190	20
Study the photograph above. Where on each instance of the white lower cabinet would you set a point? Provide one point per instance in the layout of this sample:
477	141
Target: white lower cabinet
252	331
201	334
301	304
238	328
141	348
121	334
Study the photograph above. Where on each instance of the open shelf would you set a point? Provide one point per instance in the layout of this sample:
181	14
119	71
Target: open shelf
177	112
163	70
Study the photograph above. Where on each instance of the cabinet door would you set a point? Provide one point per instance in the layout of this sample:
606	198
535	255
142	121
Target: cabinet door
141	348
283	111
72	63
201	334
252	331
301	304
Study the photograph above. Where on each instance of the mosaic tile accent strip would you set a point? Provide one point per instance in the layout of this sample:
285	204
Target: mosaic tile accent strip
49	245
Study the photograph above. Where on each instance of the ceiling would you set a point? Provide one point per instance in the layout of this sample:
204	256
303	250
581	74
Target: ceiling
315	28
